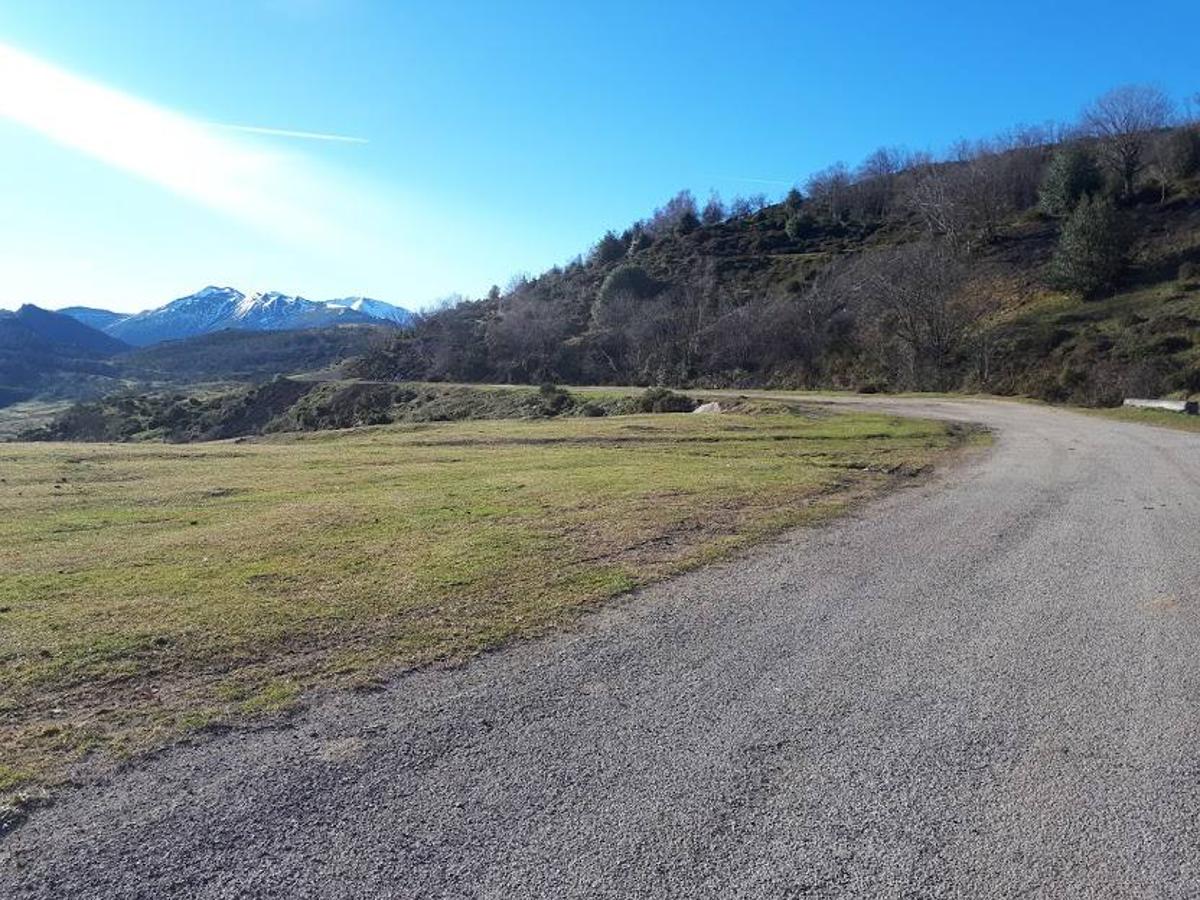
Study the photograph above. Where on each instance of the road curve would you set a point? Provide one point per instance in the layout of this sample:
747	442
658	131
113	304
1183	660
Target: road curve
987	685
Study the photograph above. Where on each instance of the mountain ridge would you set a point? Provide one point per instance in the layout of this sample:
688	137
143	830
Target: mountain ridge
47	353
215	308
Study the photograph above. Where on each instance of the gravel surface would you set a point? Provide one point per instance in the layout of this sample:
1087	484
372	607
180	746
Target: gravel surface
985	685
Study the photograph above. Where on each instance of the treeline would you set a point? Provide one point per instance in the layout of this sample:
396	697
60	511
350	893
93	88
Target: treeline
888	275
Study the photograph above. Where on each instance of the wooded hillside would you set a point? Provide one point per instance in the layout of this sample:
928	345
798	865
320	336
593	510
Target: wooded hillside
1059	262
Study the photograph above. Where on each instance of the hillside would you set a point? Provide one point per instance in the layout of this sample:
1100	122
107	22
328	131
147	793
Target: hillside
100	319
905	274
234	355
286	404
50	355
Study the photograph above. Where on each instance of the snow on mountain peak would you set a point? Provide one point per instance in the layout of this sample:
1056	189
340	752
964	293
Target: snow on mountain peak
212	290
376	309
215	308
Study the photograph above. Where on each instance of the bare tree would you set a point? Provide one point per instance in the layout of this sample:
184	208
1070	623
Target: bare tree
984	187
1122	120
524	337
679	209
828	190
1191	109
874	181
714	210
739	207
916	292
1026	149
936	196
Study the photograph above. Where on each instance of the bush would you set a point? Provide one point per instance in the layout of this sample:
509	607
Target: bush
797	227
632	280
1071	175
1093	249
688	222
1181	153
1172	343
664	400
591	410
554	400
608	249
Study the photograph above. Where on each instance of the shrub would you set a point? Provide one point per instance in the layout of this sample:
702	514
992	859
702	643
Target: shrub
632	280
608	249
664	400
796	228
688	222
1181	153
592	410
553	400
1172	343
1071	175
1093	249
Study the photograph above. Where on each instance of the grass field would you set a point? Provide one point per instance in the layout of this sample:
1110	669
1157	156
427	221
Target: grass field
1159	417
149	590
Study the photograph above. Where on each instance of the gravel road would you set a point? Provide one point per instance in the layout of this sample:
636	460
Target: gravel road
985	685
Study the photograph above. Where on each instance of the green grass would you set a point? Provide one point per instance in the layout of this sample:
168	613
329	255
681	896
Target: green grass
148	591
1090	353
11	778
1160	418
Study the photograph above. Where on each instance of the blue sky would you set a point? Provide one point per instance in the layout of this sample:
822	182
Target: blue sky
494	138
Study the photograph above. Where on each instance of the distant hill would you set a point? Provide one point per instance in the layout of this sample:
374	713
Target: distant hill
66	332
234	355
48	354
221	308
99	319
286	404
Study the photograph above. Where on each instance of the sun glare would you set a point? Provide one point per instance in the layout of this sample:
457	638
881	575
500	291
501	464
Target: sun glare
185	156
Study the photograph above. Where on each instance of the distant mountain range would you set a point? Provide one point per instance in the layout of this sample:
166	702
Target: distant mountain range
218	334
220	308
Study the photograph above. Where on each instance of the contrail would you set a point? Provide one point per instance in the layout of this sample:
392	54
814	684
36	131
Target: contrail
283	132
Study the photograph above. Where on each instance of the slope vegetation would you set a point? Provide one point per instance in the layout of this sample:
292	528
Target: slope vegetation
1020	266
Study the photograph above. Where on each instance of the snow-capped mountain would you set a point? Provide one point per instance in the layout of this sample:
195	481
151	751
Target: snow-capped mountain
376	309
219	308
198	313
